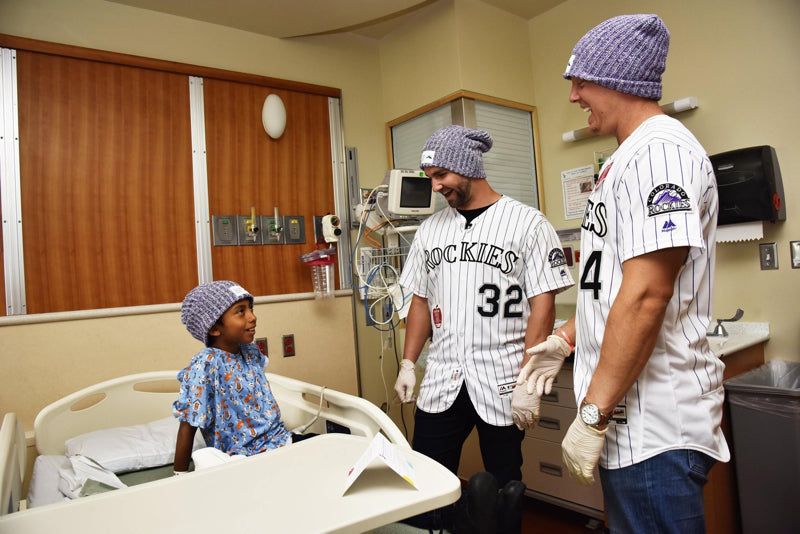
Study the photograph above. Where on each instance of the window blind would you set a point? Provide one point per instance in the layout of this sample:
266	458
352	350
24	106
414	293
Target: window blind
511	164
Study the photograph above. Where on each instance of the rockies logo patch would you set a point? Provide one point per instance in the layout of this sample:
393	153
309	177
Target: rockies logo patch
667	198
556	258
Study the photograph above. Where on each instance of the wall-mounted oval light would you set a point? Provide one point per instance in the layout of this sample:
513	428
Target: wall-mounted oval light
273	116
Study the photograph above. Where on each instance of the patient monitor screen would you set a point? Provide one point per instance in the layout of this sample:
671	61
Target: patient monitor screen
415	193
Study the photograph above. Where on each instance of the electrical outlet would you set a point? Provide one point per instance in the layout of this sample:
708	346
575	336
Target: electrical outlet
262	345
794	248
768	255
288	345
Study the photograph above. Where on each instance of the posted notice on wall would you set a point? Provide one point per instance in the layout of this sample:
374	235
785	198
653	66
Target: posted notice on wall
576	186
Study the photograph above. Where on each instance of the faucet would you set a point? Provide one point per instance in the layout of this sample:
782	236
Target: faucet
719	330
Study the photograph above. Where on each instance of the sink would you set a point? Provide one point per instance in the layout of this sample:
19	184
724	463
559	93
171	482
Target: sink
716	343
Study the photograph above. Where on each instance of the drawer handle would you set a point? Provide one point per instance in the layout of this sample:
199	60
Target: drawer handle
550	469
551	397
550	423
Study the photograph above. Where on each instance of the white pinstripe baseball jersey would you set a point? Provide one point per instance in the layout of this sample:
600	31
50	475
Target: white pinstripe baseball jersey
478	279
657	191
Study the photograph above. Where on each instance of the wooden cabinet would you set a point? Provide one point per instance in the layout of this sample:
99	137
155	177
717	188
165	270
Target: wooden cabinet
542	470
721	496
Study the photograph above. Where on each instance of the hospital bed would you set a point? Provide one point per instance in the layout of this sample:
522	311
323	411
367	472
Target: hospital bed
107	421
12	463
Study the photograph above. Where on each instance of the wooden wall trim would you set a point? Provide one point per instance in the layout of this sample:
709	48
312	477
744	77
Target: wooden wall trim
103	56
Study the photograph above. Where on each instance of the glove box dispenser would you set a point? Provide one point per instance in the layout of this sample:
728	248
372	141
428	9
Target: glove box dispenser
750	186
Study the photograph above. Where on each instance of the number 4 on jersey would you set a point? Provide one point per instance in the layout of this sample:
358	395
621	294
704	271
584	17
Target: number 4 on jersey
590	278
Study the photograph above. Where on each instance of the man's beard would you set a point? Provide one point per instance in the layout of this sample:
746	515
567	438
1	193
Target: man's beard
462	194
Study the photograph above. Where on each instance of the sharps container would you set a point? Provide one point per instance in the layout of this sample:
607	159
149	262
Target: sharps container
322	272
765	422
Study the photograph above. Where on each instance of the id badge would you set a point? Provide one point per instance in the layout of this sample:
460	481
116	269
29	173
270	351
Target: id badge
455	378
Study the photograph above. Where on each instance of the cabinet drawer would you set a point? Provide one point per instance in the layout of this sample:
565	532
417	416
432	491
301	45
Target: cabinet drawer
564	378
543	471
553	424
560	396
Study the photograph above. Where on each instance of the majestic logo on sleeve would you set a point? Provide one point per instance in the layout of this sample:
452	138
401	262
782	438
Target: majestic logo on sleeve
556	258
667	198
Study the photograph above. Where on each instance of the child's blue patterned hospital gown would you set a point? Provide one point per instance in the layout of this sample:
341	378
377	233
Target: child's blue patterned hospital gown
228	397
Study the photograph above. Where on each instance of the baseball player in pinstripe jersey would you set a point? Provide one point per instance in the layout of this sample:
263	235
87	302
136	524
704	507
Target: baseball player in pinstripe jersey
649	387
484	273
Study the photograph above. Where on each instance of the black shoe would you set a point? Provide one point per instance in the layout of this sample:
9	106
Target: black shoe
509	508
476	510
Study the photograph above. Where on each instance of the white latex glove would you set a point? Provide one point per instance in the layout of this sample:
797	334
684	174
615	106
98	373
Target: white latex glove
524	408
580	450
546	360
406	380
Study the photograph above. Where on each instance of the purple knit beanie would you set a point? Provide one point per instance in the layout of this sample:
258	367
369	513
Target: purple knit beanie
457	149
205	304
626	53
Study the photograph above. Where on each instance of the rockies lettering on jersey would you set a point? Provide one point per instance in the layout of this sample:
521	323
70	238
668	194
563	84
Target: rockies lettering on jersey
594	218
486	253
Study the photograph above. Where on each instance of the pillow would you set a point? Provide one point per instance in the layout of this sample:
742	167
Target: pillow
130	448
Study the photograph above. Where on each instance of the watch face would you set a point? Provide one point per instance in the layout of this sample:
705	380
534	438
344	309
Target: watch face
590	414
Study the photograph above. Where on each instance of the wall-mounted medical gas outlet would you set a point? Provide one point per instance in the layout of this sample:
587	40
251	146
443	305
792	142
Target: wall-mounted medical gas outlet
768	254
272	230
224	227
294	229
248	232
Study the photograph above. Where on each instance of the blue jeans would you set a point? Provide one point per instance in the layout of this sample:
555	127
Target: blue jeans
663	494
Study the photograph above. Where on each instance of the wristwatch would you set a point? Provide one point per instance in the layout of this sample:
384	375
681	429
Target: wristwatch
592	416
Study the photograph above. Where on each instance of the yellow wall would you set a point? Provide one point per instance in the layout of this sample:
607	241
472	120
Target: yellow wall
740	59
43	362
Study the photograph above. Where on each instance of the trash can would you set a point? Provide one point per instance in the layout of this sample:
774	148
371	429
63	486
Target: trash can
765	422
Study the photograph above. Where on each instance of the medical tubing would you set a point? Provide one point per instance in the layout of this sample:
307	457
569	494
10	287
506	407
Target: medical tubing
319	410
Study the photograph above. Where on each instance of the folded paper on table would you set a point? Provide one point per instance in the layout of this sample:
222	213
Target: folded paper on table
748	231
380	447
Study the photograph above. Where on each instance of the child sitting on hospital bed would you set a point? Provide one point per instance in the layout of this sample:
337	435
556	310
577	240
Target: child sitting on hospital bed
224	391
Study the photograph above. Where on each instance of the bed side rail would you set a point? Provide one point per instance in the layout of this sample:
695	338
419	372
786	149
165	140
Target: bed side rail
12	463
299	402
129	400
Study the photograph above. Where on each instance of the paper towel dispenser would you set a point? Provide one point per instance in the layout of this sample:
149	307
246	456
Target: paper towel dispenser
749	185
